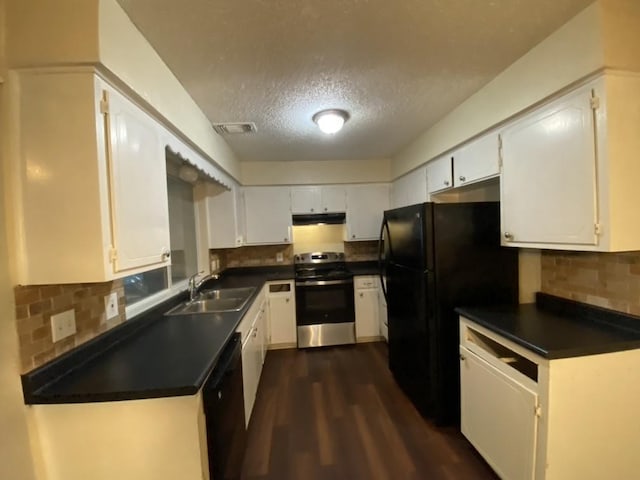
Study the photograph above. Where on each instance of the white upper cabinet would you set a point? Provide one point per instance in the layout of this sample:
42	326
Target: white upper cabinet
305	199
477	160
138	185
410	189
267	215
89	181
440	174
334	198
473	162
225	218
570	170
365	206
318	199
549	174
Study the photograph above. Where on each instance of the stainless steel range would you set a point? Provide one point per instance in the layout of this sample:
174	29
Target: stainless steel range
325	311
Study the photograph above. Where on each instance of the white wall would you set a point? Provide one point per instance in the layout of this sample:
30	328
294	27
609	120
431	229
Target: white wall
572	52
315	172
621	32
71	32
42	32
127	53
15	454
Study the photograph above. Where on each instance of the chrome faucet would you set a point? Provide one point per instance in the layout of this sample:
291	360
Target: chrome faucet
195	286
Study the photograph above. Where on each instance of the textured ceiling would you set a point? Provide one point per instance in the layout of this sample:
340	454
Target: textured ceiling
397	66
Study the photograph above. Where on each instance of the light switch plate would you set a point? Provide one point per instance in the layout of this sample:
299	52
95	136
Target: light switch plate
63	325
279	257
111	306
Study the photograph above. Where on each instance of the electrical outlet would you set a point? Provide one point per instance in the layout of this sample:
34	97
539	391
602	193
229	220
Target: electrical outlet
63	325
111	306
279	257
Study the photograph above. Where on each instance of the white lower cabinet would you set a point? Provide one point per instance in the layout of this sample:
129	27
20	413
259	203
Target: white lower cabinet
498	417
252	333
367	310
382	315
282	314
548	419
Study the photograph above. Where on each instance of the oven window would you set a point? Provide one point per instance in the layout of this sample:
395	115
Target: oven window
318	304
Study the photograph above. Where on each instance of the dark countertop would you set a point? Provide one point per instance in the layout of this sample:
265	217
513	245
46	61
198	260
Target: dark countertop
167	356
556	328
363	268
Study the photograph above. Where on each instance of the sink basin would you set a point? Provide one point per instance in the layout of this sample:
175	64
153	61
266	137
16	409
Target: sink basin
226	293
215	301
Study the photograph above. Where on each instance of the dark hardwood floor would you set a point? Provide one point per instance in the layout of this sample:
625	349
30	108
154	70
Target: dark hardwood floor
336	413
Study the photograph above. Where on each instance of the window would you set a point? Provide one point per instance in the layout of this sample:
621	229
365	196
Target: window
148	287
182	223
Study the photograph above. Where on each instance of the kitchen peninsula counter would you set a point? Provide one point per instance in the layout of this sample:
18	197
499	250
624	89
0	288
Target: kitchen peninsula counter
557	328
150	356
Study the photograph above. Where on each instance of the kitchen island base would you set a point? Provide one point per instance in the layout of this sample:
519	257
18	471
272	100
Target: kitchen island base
541	418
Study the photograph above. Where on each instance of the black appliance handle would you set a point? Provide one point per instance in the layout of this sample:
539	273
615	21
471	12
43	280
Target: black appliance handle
382	267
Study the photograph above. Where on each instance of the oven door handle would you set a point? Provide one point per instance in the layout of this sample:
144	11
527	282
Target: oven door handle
317	283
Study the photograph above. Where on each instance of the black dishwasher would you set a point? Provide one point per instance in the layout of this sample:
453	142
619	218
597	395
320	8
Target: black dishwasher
223	399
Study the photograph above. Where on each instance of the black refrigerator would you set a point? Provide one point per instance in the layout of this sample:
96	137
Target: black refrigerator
433	258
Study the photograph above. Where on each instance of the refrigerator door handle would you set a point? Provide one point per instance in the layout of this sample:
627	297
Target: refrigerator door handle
381	266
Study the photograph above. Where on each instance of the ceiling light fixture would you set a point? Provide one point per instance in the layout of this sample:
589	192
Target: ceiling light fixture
330	121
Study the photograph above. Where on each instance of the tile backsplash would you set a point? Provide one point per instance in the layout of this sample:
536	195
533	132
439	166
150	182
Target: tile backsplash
610	280
266	255
361	251
258	256
35	304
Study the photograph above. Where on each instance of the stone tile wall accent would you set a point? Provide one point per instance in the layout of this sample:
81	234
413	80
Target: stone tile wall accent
36	303
266	255
610	280
361	251
258	256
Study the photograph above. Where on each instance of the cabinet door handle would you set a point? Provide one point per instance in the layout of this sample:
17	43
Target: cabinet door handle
462	357
361	295
508	236
446	183
166	254
325	209
312	210
462	178
353	236
287	300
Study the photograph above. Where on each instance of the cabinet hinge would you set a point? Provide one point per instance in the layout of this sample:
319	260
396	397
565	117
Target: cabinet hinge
104	103
597	228
537	411
113	255
595	102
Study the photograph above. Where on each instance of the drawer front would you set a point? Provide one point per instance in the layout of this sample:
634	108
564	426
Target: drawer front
363	282
498	416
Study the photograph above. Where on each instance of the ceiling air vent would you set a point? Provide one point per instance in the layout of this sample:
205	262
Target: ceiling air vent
235	128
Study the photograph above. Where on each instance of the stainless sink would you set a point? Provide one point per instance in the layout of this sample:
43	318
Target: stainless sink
215	301
226	293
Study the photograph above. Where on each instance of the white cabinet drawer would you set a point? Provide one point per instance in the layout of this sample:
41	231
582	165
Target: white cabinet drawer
361	282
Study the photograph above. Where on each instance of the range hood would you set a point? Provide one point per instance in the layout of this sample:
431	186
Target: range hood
319	218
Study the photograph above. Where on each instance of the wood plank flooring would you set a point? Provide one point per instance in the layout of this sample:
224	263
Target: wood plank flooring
337	413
